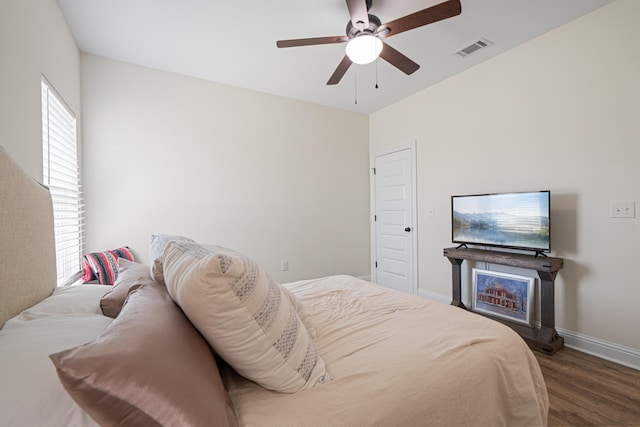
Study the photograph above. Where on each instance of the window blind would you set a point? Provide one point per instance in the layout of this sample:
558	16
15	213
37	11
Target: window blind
61	173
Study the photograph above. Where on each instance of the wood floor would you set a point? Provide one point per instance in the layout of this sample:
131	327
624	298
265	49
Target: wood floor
587	391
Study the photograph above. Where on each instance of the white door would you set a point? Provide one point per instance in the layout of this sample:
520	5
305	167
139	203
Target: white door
394	222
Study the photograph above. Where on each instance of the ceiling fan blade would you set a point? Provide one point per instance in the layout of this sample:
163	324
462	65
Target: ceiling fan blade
359	13
398	60
340	71
444	10
311	41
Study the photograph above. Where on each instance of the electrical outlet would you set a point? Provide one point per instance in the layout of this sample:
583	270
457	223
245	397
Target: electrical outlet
625	209
284	265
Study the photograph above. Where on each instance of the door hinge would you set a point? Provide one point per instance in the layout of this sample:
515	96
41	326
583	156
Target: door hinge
376	264
375	217
374	171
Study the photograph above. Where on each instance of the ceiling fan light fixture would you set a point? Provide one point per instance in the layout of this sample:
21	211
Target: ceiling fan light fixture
364	49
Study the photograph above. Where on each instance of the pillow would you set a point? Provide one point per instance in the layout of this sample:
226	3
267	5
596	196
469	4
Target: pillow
244	315
103	265
150	367
128	274
32	394
64	300
158	243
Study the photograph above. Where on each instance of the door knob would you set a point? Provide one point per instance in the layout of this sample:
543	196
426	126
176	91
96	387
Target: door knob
407	229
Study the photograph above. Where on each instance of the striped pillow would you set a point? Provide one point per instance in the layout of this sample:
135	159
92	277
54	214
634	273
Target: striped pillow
104	265
244	315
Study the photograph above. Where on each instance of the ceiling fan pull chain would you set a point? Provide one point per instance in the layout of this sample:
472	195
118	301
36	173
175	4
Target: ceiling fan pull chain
355	86
376	73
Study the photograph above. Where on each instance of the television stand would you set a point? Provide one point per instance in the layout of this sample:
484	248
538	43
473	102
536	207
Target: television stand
545	338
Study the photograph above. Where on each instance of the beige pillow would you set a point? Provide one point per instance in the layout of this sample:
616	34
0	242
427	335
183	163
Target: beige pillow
128	273
149	367
244	315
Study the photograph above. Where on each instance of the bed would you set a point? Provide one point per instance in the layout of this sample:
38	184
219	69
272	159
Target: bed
172	351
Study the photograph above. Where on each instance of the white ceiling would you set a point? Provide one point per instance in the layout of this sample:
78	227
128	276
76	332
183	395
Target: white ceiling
234	42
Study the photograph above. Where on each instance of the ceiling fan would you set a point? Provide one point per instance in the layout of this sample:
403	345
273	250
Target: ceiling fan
365	31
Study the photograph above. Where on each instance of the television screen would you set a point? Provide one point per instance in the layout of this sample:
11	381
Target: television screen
508	220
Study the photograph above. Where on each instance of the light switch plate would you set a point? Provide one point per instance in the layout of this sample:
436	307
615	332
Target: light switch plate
623	209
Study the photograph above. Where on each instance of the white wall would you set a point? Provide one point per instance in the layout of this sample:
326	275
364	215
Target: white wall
274	178
34	41
561	112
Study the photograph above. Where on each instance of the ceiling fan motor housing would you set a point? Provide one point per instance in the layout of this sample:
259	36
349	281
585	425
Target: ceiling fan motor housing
374	24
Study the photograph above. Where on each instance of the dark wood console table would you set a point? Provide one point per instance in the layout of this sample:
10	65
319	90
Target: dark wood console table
545	338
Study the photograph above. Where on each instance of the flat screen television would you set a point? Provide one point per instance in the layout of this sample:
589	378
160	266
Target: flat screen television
506	220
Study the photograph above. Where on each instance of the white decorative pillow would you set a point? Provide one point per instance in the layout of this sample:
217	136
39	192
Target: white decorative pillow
244	315
158	243
82	299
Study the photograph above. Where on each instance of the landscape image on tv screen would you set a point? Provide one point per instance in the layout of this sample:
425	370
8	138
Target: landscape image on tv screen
511	220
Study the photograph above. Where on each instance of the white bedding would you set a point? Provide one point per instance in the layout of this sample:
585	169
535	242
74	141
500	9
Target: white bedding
30	392
396	359
399	359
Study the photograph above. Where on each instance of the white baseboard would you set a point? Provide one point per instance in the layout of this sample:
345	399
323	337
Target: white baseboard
620	354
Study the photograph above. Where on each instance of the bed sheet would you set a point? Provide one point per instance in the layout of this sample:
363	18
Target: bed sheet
30	392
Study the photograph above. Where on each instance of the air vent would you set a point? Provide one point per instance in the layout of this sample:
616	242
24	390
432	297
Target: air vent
473	48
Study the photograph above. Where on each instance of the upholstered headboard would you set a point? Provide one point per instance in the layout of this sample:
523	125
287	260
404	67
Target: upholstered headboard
27	245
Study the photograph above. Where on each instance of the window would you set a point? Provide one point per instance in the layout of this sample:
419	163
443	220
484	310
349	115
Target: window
60	172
